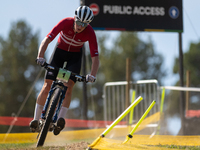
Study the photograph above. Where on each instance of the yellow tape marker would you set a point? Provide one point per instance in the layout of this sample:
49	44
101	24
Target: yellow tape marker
139	122
94	143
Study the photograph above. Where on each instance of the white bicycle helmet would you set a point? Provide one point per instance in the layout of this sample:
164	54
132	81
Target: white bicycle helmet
84	14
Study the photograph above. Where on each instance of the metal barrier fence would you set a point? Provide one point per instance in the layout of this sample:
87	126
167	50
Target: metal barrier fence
115	98
191	113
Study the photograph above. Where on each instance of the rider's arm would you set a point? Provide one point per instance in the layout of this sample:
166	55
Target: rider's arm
95	65
50	36
43	47
93	50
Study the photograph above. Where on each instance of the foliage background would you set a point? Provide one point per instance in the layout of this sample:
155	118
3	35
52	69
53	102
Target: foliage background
19	70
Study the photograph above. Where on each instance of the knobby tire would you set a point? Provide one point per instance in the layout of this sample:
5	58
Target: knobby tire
52	106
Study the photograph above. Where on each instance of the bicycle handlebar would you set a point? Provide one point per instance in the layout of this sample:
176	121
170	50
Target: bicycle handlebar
78	77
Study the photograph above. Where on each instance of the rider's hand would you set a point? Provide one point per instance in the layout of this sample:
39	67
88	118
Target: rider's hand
90	78
41	61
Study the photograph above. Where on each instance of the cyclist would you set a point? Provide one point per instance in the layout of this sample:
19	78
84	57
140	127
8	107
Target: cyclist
74	32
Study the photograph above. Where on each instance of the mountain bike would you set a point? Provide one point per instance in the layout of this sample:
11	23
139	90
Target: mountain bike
54	101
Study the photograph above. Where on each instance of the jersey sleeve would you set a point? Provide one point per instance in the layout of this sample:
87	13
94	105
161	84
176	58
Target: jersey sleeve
56	29
93	43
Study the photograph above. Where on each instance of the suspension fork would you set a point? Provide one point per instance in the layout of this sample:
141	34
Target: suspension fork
48	100
62	97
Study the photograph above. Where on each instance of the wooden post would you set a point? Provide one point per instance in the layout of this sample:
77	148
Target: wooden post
128	78
182	100
187	92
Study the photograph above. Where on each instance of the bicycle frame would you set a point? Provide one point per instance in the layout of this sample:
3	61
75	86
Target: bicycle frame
62	77
54	100
55	84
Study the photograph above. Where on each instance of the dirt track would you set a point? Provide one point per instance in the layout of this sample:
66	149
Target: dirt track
77	146
72	146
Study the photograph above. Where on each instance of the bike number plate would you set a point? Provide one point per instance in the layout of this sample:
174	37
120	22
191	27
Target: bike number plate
63	75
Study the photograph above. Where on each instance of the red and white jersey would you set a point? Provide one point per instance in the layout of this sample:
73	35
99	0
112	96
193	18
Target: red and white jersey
70	41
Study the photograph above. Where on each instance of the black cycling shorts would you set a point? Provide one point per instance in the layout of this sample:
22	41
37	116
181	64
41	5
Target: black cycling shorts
59	57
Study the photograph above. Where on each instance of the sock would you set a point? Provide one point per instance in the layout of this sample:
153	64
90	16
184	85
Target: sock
62	112
38	111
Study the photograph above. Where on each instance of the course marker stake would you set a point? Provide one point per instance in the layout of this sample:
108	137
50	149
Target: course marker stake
130	135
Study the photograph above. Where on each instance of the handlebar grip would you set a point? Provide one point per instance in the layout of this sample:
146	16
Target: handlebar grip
45	64
80	78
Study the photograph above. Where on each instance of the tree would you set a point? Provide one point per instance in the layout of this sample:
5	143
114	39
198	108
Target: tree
18	69
191	63
145	62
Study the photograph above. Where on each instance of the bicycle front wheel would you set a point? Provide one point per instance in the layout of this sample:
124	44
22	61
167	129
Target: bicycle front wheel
50	112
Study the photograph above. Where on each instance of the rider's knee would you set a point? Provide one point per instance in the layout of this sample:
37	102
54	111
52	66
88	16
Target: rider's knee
70	86
47	86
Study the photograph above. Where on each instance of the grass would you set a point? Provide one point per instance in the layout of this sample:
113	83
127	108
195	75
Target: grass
16	146
28	146
72	145
182	147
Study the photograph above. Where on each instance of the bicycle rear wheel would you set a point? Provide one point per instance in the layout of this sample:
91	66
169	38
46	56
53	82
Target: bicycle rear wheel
50	112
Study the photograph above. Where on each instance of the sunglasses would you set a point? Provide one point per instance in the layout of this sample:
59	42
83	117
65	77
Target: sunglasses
79	23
